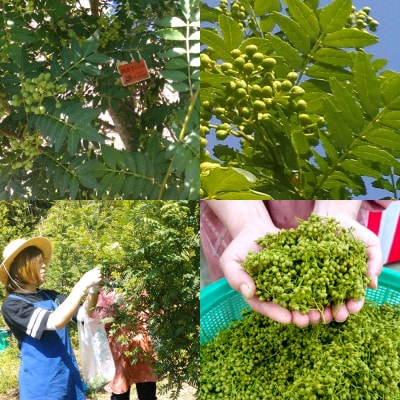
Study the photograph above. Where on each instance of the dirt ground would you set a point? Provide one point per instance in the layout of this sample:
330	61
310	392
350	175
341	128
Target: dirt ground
188	393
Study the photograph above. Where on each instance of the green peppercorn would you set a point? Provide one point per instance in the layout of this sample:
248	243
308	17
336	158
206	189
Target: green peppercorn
257	58
235	53
268	63
251	49
259	105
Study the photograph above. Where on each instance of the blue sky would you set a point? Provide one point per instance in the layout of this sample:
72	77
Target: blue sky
387	12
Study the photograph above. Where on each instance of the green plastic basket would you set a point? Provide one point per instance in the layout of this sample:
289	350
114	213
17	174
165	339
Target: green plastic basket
4	339
220	304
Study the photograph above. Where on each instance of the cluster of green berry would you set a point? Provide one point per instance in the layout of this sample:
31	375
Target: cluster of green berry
25	150
35	90
253	94
316	265
110	29
238	11
362	20
258	359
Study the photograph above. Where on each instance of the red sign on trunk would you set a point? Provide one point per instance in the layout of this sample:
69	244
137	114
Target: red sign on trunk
133	72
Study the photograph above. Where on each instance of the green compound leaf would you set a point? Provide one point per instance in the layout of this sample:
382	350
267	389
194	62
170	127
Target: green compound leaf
305	16
300	142
91	44
21	35
321	71
334	16
338	179
171	22
73	187
89	181
329	148
367	84
231	32
348	38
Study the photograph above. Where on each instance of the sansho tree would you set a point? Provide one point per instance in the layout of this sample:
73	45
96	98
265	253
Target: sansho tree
63	104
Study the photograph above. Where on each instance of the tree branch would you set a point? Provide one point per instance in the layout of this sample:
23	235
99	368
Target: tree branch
11	135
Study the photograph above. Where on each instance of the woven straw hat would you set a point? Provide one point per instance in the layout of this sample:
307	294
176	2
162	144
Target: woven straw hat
16	246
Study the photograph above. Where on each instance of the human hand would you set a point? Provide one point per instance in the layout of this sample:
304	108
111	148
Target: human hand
231	260
91	278
238	278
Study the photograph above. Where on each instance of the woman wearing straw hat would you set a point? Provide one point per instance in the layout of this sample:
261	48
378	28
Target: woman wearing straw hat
38	320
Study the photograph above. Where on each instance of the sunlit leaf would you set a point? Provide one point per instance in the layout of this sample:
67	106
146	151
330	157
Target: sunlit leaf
347	103
334	16
262	7
348	38
231	31
371	153
340	133
213	40
367	84
336	57
170	34
391	119
294	32
305	16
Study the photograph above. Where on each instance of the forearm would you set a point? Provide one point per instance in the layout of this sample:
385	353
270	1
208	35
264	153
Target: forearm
66	310
332	208
91	301
235	214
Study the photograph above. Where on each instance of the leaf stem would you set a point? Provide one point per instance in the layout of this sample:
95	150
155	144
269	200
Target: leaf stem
181	138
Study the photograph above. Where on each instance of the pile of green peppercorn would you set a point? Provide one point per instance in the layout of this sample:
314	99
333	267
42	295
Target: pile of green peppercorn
316	265
259	359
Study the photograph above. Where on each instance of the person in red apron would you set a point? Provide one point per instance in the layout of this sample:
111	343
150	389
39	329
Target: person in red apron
128	372
38	320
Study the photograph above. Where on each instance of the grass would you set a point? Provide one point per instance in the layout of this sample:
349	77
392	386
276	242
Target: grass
9	365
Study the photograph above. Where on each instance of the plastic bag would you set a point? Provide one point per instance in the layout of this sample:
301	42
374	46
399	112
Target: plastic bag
97	362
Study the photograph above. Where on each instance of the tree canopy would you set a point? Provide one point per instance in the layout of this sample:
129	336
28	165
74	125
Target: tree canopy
313	114
63	103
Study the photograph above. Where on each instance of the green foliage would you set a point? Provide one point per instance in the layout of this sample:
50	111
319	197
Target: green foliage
150	246
312	112
59	82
